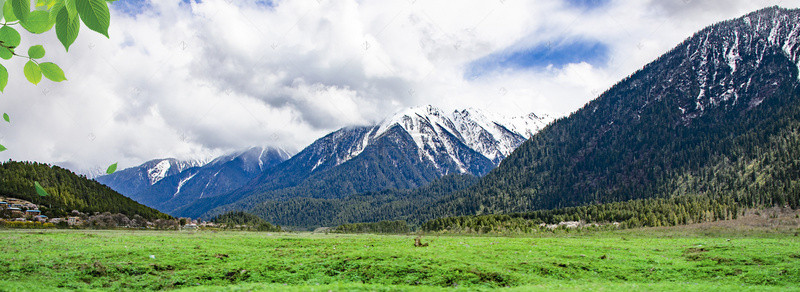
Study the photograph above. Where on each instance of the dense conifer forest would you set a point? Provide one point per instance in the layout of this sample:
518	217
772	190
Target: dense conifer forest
66	191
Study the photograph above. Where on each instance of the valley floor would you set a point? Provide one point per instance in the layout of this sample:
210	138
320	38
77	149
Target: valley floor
701	257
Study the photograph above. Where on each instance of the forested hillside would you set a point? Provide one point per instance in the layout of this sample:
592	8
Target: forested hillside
698	121
66	191
392	204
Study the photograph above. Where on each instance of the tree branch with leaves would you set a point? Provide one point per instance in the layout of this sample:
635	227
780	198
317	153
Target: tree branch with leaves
38	17
65	15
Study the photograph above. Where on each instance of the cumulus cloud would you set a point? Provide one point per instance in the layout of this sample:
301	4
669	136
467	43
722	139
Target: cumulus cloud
195	79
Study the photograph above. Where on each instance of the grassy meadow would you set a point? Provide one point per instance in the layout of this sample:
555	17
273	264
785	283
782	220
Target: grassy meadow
702	258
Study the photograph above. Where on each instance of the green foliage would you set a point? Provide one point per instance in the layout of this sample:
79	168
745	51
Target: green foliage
33	72
65	15
6	118
8	12
111	168
40	190
21	8
52	72
3	148
655	212
26	225
10	39
58	191
3	75
67	27
245	220
94	14
36	52
391	204
391	227
662	260
37	22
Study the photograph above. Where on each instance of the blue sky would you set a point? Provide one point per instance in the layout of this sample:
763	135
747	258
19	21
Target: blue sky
550	54
589	4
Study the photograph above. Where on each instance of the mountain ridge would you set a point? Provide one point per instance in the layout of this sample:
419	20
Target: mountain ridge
408	149
167	184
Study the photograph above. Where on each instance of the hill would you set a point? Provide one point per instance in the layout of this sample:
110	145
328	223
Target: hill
67	191
717	116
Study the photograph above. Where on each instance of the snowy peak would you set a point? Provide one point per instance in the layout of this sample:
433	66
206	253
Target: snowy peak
156	170
491	135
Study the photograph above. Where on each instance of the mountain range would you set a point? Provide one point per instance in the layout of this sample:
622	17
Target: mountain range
166	184
715	118
409	149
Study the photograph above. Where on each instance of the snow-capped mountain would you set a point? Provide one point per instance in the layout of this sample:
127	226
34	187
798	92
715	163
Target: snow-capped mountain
409	149
167	184
131	180
438	134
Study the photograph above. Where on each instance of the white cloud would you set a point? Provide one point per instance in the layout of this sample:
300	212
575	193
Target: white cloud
193	81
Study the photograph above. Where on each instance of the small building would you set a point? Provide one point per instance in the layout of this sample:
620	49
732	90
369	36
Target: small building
40	218
32	213
3	205
190	226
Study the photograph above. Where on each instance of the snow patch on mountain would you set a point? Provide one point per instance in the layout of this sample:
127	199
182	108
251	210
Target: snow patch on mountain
158	172
181	183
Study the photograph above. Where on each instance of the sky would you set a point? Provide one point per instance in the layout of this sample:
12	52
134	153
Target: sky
195	79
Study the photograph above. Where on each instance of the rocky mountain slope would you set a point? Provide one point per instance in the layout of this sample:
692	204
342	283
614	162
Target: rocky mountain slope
167	184
410	149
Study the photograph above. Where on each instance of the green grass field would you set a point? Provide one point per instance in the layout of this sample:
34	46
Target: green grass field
643	259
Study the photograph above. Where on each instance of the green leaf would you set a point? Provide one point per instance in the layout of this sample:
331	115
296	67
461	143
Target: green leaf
55	10
6	53
52	72
6	118
67	28
40	190
8	12
71	8
37	22
3	148
94	14
9	36
111	168
36	52
32	72
22	8
3	76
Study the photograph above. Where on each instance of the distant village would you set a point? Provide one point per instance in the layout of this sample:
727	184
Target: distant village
24	214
